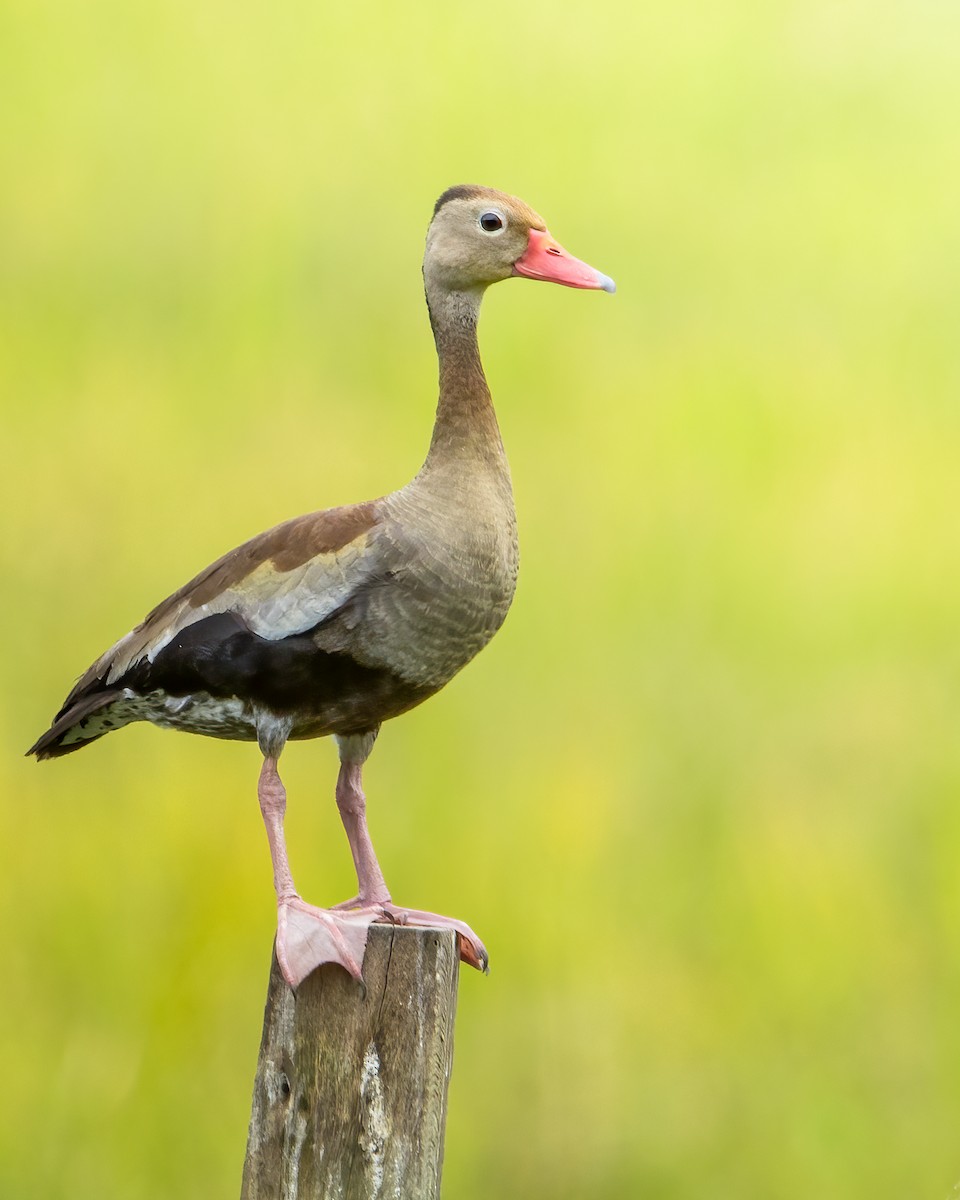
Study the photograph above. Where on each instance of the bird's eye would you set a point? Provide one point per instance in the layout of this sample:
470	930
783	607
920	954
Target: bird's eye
491	222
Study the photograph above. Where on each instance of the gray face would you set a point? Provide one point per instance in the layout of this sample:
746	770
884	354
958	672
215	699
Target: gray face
474	240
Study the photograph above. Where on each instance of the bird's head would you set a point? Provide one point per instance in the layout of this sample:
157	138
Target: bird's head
479	236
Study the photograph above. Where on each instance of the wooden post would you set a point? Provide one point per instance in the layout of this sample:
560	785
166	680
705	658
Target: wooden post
350	1097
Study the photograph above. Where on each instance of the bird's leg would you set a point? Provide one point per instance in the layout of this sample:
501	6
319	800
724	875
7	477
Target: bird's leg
306	936
374	895
352	804
273	805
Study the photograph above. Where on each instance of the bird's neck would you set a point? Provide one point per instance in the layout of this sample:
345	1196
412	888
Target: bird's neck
465	430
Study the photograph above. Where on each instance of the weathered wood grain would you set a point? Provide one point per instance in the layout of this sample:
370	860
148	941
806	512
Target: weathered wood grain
350	1096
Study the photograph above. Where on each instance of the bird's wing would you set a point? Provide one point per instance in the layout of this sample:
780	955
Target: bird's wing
283	582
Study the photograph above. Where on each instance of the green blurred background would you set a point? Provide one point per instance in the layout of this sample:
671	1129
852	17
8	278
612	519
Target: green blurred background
700	795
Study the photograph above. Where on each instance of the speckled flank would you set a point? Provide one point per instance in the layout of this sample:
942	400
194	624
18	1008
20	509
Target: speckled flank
215	717
226	718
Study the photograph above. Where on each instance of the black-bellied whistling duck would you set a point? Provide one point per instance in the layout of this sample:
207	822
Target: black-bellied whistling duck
335	622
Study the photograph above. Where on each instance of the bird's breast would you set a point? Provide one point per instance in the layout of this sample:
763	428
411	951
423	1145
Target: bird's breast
452	560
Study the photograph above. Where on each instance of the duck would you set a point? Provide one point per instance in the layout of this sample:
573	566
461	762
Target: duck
332	623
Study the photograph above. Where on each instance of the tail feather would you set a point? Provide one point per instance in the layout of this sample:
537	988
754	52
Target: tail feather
75	721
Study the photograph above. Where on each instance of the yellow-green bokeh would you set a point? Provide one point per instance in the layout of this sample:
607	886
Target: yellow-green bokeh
700	795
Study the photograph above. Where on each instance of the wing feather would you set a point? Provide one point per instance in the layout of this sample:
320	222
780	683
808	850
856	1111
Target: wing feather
280	583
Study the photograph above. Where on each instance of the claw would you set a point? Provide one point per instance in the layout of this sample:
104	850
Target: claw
473	953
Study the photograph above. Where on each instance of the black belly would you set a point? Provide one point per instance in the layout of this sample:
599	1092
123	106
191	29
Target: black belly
320	691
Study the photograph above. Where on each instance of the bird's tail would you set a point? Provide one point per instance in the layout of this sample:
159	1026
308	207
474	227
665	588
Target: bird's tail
79	725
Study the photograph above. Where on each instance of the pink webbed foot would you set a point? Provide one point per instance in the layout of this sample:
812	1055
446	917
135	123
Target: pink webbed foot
308	937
